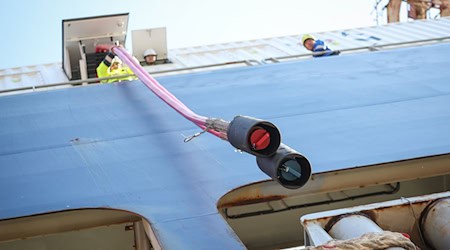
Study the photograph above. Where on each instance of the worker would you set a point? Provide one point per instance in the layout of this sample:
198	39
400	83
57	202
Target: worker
150	56
113	66
317	46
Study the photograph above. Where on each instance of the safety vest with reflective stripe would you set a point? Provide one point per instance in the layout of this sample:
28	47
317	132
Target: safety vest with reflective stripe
104	71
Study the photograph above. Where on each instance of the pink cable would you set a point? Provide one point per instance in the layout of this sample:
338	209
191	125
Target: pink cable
162	92
157	88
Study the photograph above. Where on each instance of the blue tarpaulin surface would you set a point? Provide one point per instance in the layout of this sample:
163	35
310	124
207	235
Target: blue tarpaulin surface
119	146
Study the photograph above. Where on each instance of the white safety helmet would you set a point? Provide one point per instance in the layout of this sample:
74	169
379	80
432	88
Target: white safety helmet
150	52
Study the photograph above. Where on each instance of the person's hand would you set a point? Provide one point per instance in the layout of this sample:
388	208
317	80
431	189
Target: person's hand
116	46
335	53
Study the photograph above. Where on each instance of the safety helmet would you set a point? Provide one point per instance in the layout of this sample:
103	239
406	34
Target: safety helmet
306	37
150	52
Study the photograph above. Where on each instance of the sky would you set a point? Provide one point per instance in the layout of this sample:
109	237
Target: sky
32	28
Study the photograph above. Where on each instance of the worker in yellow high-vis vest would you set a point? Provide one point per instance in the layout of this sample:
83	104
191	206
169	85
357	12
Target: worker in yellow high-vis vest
112	66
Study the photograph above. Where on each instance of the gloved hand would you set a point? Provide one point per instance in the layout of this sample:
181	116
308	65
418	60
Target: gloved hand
115	46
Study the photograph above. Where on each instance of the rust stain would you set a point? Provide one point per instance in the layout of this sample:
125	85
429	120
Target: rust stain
252	200
373	215
321	220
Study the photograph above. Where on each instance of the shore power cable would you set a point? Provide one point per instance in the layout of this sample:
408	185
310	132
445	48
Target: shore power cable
254	136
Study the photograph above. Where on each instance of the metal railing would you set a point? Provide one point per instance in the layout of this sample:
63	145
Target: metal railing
370	48
98	80
250	62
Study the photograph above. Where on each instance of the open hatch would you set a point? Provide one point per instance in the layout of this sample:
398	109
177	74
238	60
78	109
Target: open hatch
80	38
